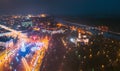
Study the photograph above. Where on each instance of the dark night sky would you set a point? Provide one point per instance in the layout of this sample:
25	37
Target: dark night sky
61	7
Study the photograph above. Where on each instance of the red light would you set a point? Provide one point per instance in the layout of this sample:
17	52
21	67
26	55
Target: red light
34	37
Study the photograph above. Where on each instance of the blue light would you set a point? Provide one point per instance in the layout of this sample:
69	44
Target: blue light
23	49
39	44
33	48
22	44
15	70
17	59
72	40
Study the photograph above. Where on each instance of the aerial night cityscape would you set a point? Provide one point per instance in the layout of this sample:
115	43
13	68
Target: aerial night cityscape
59	35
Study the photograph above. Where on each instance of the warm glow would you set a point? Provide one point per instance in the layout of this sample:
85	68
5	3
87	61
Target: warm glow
43	15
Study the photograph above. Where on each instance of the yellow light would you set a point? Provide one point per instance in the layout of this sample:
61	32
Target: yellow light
103	66
25	64
29	16
90	55
36	29
43	15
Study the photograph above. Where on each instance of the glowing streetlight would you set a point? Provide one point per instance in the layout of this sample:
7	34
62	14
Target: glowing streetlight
43	15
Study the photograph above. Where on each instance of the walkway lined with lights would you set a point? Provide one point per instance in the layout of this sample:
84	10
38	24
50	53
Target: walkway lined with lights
17	33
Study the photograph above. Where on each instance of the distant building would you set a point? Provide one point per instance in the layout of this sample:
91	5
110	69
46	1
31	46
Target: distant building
103	28
6	42
27	24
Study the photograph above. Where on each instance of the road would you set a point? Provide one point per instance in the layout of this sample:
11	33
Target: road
55	54
15	58
108	34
